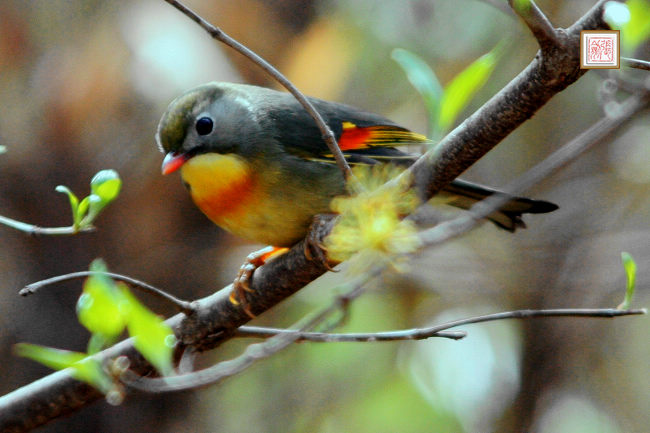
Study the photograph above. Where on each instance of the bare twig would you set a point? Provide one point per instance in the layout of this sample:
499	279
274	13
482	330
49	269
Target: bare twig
181	305
636	63
35	230
326	337
439	330
219	35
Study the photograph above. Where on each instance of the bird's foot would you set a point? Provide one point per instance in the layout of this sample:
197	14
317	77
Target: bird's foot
242	282
313	248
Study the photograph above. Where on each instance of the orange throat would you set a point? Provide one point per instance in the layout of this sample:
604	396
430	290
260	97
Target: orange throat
221	186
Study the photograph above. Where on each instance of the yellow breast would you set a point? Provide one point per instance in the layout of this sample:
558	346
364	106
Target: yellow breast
221	185
253	199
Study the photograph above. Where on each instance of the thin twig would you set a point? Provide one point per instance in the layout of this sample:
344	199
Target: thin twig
219	35
181	305
326	337
35	230
439	330
636	63
527	314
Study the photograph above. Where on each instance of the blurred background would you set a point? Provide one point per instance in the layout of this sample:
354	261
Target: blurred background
82	87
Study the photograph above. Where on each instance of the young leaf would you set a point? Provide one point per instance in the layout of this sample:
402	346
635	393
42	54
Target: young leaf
74	203
153	338
106	184
423	79
95	206
464	86
82	210
105	187
630	271
84	368
102	308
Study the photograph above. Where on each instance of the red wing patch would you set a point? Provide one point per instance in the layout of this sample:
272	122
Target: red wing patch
354	137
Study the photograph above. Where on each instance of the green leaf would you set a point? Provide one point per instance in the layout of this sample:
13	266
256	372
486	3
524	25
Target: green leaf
82	210
74	203
56	359
630	271
95	206
83	367
105	187
3	149
153	338
423	79
464	86
102	308
106	184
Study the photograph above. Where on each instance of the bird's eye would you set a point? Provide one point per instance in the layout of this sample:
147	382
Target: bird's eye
204	126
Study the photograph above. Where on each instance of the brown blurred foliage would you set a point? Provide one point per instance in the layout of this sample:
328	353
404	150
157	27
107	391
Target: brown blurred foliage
82	86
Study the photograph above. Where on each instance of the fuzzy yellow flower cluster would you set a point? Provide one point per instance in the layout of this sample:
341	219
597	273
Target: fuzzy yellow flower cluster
371	221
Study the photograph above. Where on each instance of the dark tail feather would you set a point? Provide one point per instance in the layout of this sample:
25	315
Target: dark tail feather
509	216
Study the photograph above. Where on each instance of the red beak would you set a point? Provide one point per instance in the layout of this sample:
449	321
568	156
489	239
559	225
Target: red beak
173	161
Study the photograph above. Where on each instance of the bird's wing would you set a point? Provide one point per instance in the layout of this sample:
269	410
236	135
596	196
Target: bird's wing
363	137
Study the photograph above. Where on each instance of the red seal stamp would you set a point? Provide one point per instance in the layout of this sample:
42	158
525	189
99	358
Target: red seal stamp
600	49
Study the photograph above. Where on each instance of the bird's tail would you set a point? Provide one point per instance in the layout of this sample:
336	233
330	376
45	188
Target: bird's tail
463	194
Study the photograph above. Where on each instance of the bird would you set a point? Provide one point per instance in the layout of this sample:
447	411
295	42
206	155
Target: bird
256	164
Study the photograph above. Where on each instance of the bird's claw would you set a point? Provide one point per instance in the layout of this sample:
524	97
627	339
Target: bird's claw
314	250
242	283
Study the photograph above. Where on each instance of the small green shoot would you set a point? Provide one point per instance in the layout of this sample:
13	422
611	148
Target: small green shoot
104	188
630	271
3	149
